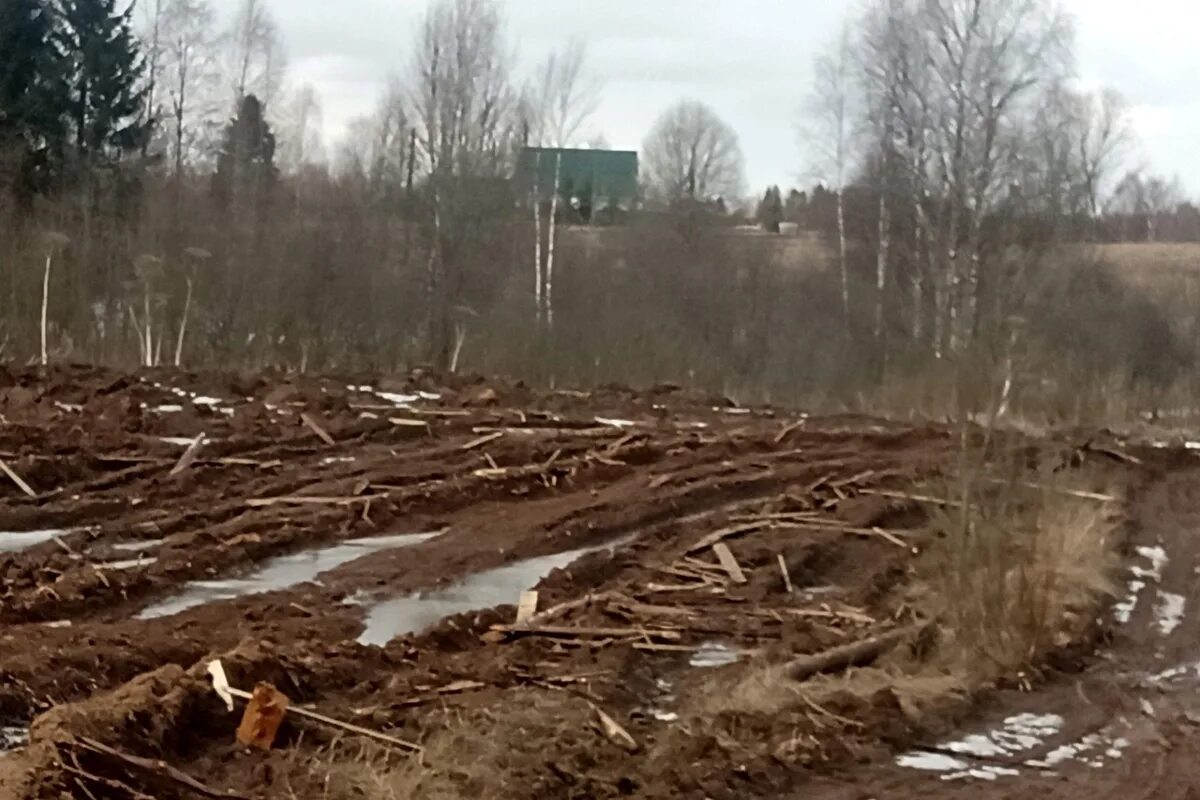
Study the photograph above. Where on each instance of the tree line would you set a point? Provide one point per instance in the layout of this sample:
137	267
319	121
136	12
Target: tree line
166	198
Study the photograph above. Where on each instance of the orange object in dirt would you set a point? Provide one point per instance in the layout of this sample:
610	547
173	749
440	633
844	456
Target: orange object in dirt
264	714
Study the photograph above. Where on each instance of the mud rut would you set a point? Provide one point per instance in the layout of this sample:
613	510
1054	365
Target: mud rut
1128	726
506	475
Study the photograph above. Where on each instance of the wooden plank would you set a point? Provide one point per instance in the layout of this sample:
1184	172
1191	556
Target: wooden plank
787	576
189	455
15	478
527	606
708	541
729	563
315	427
482	440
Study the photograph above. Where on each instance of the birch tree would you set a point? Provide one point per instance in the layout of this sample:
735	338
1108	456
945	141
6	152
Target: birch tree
555	107
255	59
828	132
190	75
462	103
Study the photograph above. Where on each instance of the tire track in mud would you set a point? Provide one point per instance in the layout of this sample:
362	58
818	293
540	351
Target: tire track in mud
1126	727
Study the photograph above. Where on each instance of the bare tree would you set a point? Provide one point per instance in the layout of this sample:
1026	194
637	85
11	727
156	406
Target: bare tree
301	142
1146	198
692	154
462	103
256	60
830	115
561	98
190	73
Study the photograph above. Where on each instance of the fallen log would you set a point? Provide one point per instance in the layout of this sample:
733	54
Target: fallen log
569	632
855	654
160	769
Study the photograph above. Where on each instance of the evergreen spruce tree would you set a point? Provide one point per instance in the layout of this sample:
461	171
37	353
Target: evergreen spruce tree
107	90
33	98
246	163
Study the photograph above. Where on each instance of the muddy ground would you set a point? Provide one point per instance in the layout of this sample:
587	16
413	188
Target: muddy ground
286	545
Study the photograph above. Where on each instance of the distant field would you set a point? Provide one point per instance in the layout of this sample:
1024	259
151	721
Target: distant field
1154	265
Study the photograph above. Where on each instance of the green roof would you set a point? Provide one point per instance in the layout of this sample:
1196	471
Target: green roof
608	176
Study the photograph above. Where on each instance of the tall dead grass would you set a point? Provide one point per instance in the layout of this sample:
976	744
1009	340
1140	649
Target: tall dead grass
1017	569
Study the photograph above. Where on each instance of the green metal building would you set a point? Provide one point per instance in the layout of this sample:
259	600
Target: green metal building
590	182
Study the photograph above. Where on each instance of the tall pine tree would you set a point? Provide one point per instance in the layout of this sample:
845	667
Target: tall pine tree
33	97
107	90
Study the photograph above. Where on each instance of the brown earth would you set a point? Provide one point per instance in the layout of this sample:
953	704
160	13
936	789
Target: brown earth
506	475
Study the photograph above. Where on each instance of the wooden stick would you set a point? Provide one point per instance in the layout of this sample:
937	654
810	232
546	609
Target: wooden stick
614	731
708	541
855	654
321	433
564	631
729	562
918	498
787	576
189	455
336	723
482	440
308	500
160	769
571	605
15	478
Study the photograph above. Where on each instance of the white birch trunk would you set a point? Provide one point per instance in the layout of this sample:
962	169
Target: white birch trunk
841	223
549	293
881	264
187	304
45	308
537	242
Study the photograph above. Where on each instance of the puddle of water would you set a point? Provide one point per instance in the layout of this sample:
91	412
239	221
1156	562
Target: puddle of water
16	542
279	573
1168	612
496	587
713	655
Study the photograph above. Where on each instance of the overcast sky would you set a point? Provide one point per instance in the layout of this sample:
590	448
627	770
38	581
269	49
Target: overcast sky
750	59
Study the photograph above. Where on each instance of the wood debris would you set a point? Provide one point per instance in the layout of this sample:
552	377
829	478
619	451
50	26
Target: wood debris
321	433
614	731
729	562
855	654
189	455
787	576
570	632
17	479
527	606
482	440
156	768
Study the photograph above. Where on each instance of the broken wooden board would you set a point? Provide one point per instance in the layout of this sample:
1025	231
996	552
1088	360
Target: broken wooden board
729	562
527	606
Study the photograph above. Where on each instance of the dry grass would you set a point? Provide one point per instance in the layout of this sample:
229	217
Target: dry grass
473	754
1017	572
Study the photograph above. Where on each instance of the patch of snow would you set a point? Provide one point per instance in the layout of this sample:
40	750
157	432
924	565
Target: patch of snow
984	773
166	408
178	441
664	716
15	542
129	563
398	400
616	423
1158	559
337	460
1168	613
206	401
713	655
930	762
148	544
429	396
